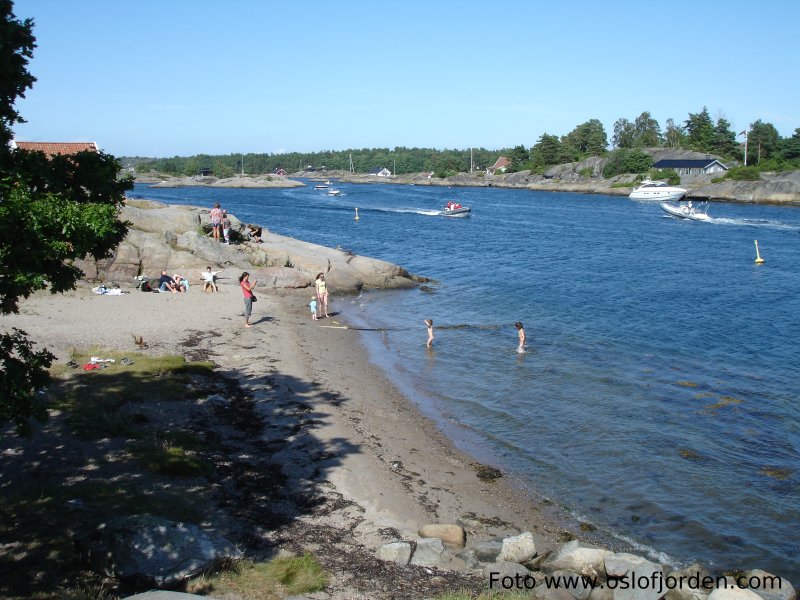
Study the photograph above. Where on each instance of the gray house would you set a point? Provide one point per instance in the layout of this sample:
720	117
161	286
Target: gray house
685	166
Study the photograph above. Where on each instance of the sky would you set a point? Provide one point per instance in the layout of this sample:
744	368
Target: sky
162	78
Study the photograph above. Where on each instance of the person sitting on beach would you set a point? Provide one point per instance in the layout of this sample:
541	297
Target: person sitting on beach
181	284
209	280
429	324
166	283
521	331
255	233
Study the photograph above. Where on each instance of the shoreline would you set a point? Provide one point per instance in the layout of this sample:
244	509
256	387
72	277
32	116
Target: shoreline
380	453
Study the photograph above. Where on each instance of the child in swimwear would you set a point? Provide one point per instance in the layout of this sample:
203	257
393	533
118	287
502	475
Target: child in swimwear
313	306
429	324
521	331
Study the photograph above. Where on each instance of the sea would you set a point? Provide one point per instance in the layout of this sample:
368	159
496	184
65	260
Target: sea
658	400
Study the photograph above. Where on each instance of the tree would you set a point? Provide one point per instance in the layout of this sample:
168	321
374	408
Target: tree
624	134
589	139
763	142
790	147
700	131
68	204
724	140
545	151
674	135
647	131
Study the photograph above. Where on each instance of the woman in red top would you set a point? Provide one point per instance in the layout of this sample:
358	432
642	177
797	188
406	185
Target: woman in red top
247	290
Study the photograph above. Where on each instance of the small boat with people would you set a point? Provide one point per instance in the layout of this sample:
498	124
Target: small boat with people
685	210
454	209
656	190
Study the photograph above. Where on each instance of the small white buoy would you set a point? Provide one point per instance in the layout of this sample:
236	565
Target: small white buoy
356	214
759	260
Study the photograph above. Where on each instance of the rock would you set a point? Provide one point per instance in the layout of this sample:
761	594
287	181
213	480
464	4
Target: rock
397	552
163	595
601	593
623	564
734	593
429	552
451	535
218	400
578	558
494	572
155	550
688	583
518	548
542	592
770	587
469	558
488	551
580	590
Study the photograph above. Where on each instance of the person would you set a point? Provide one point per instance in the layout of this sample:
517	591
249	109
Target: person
313	306
247	290
322	293
255	233
209	280
521	332
180	283
429	324
166	283
226	227
216	219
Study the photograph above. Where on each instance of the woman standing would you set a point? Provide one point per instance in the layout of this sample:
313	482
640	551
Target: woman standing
247	290
322	293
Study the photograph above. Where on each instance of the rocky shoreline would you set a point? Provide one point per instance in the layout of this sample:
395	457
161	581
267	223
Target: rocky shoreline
356	475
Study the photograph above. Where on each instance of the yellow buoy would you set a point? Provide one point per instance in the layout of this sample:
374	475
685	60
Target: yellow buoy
759	260
356	214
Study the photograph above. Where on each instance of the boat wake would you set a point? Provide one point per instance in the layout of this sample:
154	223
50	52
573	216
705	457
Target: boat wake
756	223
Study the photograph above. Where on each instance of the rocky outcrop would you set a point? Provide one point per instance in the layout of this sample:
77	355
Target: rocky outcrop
176	238
237	181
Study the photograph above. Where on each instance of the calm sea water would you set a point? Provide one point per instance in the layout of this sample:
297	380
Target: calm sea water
659	398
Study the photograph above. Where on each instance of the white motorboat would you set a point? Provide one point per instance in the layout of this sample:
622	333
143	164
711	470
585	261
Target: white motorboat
334	192
685	210
320	187
656	190
454	209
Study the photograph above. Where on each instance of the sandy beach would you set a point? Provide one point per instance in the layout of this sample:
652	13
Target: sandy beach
361	441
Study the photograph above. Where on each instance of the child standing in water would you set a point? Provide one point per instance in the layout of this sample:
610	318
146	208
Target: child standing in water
429	324
521	331
313	306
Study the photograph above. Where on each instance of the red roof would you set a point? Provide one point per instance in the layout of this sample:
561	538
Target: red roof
53	148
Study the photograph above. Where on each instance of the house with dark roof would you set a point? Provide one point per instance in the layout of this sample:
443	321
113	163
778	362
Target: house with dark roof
55	148
684	166
380	172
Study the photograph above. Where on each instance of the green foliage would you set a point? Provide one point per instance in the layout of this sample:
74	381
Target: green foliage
546	151
586	173
624	160
669	175
23	371
300	575
587	139
743	174
763	142
700	131
52	211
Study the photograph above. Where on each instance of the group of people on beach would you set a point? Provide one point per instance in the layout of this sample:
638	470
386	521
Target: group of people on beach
220	222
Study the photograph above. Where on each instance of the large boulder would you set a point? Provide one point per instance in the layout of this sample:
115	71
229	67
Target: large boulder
624	565
578	558
518	548
452	535
154	550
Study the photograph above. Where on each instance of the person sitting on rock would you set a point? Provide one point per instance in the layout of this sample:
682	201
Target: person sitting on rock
255	233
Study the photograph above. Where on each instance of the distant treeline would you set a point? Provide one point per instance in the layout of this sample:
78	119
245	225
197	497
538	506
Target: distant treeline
766	150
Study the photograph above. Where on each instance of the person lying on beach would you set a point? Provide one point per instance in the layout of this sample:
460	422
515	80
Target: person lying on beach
429	324
166	283
209	280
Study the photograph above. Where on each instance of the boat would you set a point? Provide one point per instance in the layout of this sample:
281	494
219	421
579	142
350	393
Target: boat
320	187
685	210
454	209
656	190
333	192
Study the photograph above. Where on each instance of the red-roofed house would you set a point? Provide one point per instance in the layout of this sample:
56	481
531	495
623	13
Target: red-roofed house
53	148
501	164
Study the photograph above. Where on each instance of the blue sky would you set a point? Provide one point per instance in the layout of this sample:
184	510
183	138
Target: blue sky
180	77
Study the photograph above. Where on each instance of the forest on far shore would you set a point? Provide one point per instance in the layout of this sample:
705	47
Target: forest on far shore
766	151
